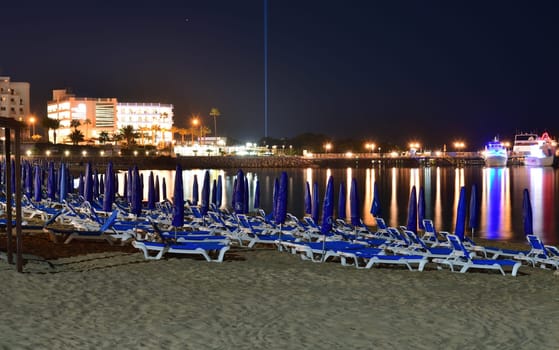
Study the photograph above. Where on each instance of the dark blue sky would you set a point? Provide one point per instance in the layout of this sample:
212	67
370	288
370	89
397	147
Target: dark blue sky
388	71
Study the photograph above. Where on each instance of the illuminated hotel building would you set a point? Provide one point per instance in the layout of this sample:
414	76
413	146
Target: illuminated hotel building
152	121
14	99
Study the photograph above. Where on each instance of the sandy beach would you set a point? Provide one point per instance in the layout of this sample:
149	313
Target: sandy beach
263	299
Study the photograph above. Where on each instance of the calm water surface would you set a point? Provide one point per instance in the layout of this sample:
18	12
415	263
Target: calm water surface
499	192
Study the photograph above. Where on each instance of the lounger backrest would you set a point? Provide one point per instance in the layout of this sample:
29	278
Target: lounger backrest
381	224
537	245
458	246
110	221
429	227
415	238
196	212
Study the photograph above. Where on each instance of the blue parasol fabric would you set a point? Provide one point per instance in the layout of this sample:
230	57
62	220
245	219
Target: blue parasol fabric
257	195
51	181
101	184
315	202
213	197
129	187
341	202
178	199
27	178
81	185
239	193
37	184
328	207
527	221
412	211
474	212
136	203
108	197
63	188
245	198
354	203
205	199
421	208
459	230
163	189
88	183
157	196
308	199
375	206
219	192
151	191
125	187
281	201
195	190
95	187
275	194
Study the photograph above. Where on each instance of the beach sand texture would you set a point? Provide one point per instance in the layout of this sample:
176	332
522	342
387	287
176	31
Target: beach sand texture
263	299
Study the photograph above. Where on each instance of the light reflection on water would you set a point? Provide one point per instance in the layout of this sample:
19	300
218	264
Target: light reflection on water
499	192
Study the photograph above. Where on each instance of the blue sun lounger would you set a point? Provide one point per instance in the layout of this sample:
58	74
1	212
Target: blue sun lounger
376	256
190	248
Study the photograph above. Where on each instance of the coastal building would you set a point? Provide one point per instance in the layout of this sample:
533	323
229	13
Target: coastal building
107	116
14	99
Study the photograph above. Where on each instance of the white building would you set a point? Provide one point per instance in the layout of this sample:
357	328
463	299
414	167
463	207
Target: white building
14	100
152	121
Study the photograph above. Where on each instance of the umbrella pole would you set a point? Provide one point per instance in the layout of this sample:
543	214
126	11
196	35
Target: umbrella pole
279	240
323	248
472	234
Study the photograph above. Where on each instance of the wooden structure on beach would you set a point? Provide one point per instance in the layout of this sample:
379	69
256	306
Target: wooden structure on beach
12	126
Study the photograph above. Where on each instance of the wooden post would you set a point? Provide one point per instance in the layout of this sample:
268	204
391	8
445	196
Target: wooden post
19	238
8	179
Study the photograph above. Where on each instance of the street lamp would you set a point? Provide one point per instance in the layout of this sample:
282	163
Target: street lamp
414	147
32	121
195	122
370	146
459	145
327	147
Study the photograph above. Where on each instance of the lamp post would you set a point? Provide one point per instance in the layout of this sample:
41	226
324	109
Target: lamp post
327	147
195	122
370	146
32	121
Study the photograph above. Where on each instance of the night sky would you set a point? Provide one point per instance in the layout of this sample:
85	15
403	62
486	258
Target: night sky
387	71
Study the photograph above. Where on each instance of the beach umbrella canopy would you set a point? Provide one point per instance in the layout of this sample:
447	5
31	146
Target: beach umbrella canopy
88	183
125	187
527	213
157	197
108	197
281	205
213	196
239	193
474	212
354	203
308	199
129	187
116	185
81	185
63	188
101	184
341	202
37	184
461	214
275	195
205	199
163	189
95	184
219	192
195	190
136	203
328	207
257	195
412	211
375	206
27	178
421	208
51	181
178	199
315	202
151	191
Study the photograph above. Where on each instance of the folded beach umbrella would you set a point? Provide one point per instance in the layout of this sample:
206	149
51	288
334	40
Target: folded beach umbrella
461	214
328	208
354	203
136	203
101	184
281	205
412	211
151	191
315	202
219	192
178	199
81	185
212	193
51	181
129	186
163	189
63	188
239	193
125	187
275	195
474	211
195	190
308	199
95	178
108	198
375	206
27	178
205	199
527	213
157	196
341	202
257	195
245	197
37	184
421	208
88	183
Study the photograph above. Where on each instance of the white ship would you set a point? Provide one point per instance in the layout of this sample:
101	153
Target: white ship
495	154
535	150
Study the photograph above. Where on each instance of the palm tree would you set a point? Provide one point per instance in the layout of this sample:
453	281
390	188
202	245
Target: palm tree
51	124
214	112
75	124
154	129
76	137
103	137
183	132
128	134
204	130
87	123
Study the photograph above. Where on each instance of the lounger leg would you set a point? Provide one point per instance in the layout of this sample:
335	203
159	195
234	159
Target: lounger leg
515	269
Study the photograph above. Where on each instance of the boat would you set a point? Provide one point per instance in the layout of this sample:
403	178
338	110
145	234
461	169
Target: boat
535	150
495	154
